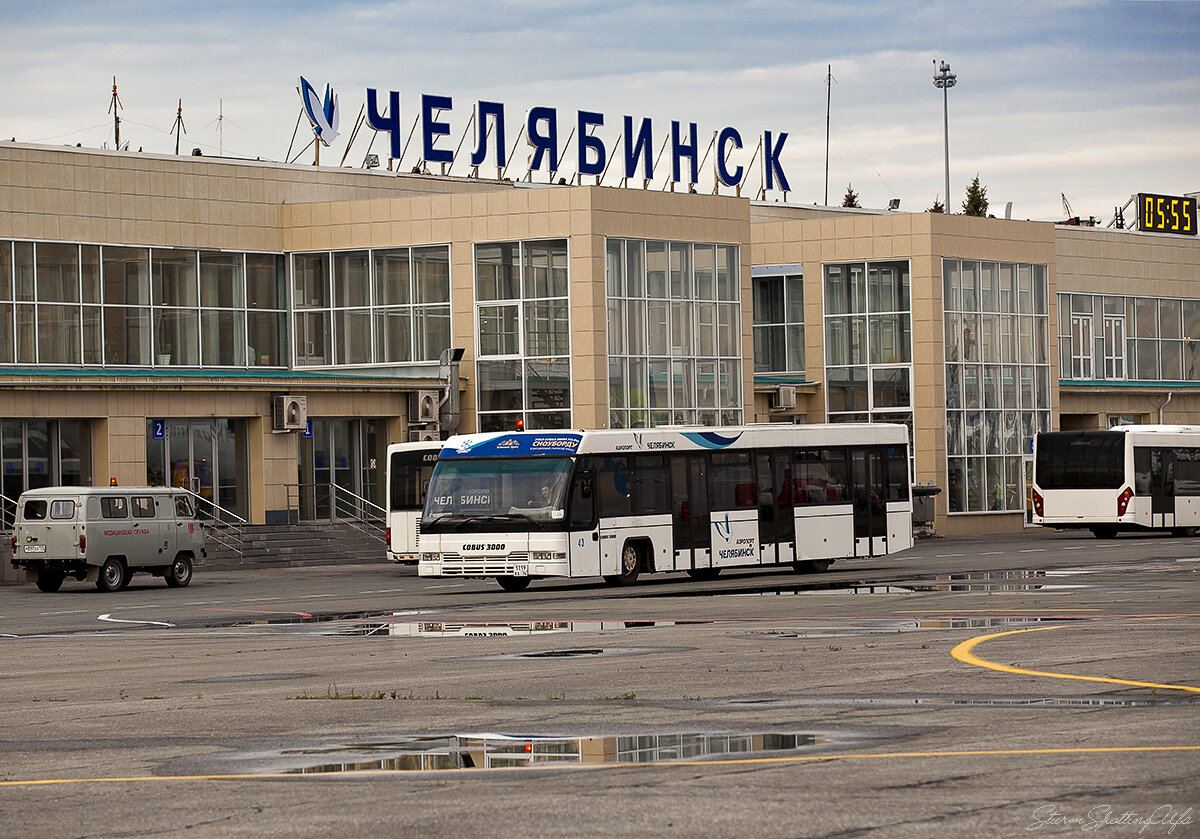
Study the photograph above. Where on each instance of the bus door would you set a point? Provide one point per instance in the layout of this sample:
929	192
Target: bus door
582	525
776	526
689	511
1162	488
869	494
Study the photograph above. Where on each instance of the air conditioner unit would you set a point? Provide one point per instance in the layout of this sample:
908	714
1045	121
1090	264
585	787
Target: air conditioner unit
290	413
430	433
423	406
784	397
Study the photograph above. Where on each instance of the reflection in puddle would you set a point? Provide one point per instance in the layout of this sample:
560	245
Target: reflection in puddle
502	751
981	581
503	629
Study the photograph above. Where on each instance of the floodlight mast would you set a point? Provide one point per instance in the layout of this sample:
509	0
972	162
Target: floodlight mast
944	80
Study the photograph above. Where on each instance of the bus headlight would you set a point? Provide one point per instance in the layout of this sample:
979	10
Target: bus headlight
547	556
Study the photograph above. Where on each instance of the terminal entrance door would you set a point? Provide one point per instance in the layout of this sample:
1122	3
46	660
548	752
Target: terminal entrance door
200	455
339	470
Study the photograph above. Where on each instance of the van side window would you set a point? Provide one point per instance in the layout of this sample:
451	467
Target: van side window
183	507
34	510
62	509
143	506
113	508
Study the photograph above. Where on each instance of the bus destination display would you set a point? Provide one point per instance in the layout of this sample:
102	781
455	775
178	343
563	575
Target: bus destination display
1166	214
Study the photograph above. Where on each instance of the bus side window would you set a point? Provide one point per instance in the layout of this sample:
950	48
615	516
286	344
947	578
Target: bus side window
1141	471
613	479
1187	471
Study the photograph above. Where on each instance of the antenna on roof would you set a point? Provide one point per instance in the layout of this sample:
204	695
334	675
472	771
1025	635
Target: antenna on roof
178	128
113	105
220	121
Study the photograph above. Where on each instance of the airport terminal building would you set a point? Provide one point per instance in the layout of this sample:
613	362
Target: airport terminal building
255	331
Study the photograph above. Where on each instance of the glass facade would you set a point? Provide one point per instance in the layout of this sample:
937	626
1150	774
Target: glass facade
116	306
39	453
674	333
778	300
868	342
364	307
523	335
997	347
1114	338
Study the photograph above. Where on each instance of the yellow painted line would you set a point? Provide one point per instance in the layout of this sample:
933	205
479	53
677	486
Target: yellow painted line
963	653
664	764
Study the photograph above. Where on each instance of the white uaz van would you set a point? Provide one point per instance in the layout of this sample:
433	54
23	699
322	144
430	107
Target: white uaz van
105	534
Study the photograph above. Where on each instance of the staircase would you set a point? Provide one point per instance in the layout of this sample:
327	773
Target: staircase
296	545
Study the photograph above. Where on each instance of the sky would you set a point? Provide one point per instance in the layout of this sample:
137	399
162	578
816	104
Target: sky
1094	101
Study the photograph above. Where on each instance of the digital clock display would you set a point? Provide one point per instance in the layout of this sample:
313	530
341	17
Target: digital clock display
1166	214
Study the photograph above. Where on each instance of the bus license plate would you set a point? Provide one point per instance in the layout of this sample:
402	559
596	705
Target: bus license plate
35	549
520	570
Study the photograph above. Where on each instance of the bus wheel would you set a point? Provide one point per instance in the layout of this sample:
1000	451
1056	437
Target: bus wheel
49	581
703	573
811	566
113	575
509	583
1105	532
180	572
631	566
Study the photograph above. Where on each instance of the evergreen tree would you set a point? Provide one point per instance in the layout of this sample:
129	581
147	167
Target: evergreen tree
976	203
851	198
938	206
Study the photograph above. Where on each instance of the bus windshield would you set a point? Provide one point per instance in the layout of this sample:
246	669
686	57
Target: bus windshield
1080	460
497	495
409	471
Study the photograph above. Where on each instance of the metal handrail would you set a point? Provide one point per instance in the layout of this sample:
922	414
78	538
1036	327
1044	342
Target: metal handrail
8	521
363	503
225	528
341	504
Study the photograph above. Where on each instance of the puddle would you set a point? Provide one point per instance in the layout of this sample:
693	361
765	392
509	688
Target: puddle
892	626
984	701
506	751
982	581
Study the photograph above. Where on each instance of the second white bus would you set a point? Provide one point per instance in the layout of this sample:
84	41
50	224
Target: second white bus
409	467
617	503
1132	477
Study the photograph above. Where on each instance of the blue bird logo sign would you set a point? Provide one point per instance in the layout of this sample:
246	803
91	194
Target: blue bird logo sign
322	114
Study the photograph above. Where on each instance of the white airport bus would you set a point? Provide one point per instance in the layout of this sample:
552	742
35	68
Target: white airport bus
617	503
1132	477
409	467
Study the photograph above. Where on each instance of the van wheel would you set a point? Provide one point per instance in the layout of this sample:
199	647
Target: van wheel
631	566
510	583
180	572
113	575
811	566
49	581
